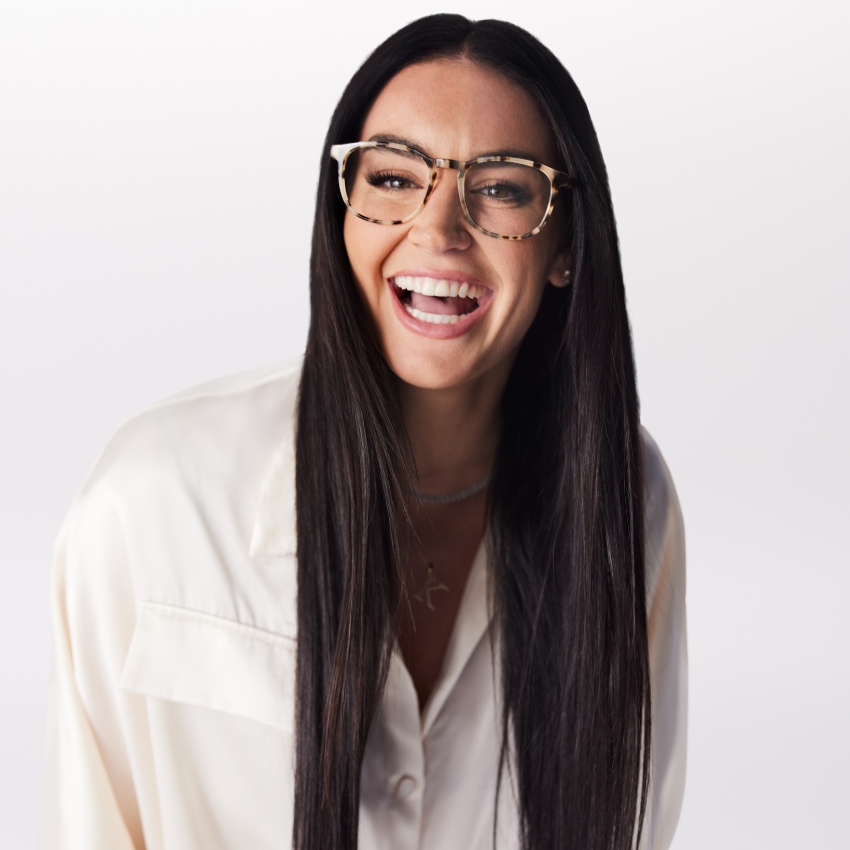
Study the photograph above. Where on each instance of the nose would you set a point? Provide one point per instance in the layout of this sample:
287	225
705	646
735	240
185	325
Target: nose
441	226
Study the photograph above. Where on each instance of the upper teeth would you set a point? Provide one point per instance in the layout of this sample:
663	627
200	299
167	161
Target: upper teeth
439	288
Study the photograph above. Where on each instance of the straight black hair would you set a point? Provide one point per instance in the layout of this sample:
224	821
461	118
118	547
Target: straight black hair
565	506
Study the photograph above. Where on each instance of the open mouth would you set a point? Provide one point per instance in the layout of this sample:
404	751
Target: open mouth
438	302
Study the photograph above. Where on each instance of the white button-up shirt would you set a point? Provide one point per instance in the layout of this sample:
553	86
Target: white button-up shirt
171	717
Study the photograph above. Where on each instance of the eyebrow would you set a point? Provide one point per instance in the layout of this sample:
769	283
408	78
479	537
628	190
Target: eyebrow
519	154
383	137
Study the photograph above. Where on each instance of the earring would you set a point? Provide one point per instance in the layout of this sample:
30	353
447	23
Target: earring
567	277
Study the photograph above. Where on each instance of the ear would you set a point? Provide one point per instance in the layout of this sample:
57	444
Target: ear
563	263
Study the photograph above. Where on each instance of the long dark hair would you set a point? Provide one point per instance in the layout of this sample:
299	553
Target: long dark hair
565	506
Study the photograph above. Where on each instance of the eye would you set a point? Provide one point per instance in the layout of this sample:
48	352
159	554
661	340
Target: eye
391	181
503	191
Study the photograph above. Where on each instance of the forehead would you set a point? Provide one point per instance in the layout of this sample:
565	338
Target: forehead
457	109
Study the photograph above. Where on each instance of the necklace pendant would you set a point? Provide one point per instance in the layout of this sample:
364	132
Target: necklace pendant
431	586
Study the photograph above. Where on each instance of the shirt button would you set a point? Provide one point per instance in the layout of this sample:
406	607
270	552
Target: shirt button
405	787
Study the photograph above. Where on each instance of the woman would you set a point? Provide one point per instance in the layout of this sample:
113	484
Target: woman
487	642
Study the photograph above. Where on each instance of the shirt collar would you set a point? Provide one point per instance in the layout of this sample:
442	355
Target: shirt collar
274	534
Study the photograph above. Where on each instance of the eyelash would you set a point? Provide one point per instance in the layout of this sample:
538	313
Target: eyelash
379	177
516	192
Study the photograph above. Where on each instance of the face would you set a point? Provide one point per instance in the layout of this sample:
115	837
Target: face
453	109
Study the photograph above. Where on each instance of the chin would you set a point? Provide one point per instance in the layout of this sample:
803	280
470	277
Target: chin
429	372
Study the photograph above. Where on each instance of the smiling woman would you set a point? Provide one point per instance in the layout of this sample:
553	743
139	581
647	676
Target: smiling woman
424	588
445	230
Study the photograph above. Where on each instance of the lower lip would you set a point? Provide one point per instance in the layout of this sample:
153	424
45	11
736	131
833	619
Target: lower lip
452	331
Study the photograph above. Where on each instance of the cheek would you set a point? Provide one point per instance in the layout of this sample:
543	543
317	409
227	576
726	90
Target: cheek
521	314
525	273
368	246
524	277
356	245
364	256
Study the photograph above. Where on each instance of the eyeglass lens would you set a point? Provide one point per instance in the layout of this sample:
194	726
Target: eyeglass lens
389	185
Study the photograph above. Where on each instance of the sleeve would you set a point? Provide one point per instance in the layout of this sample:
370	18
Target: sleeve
668	651
89	800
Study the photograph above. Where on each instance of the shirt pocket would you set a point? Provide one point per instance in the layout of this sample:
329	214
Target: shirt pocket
188	656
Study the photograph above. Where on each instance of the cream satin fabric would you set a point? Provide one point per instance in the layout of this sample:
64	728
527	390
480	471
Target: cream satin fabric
171	713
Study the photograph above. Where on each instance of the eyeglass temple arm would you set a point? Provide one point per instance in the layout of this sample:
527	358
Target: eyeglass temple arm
561	181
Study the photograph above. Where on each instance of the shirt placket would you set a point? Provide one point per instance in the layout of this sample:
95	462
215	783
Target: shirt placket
393	773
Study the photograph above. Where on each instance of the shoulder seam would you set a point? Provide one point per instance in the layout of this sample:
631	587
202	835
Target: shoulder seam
276	372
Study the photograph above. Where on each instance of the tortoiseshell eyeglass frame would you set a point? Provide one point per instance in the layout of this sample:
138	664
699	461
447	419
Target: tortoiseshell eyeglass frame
557	180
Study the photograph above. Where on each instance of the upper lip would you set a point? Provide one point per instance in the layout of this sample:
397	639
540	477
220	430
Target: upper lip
461	277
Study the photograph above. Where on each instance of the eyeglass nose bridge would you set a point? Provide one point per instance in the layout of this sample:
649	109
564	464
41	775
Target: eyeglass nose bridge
455	165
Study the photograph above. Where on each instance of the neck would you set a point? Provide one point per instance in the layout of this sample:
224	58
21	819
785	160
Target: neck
454	431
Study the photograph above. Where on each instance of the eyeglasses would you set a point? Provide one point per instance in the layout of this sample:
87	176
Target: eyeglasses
502	196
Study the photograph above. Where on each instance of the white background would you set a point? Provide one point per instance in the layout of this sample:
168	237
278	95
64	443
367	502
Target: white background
158	165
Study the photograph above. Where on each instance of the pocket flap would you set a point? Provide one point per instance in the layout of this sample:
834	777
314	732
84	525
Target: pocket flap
188	656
